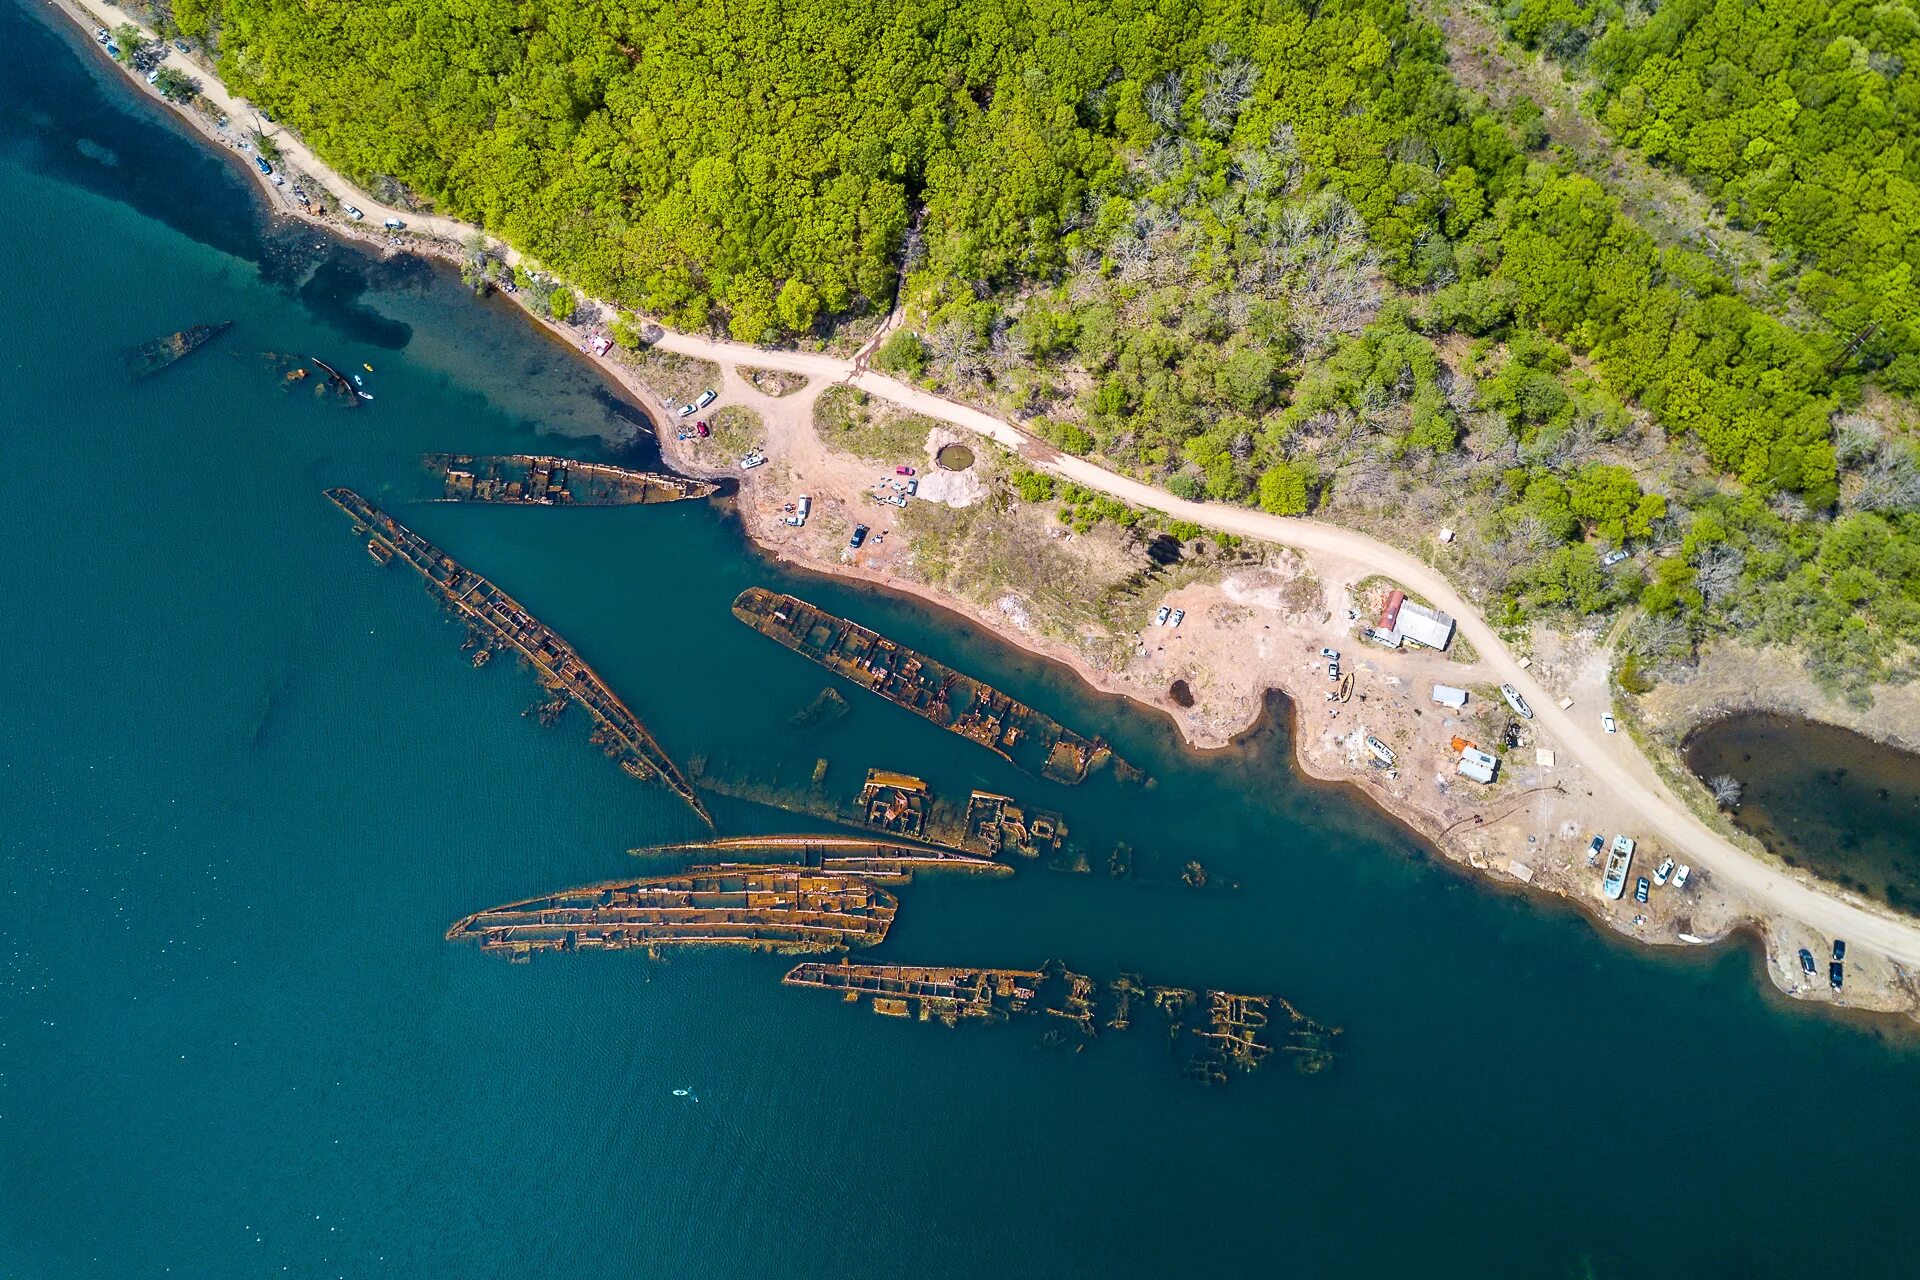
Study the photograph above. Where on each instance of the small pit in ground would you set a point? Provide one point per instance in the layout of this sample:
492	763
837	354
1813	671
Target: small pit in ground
1182	695
955	457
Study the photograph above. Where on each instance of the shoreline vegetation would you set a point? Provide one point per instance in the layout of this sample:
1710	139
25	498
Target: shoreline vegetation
1294	601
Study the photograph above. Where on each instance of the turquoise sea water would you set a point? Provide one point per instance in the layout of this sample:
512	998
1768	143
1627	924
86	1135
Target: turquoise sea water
247	780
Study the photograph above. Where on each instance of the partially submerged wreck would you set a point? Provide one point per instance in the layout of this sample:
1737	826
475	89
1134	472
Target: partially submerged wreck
151	357
538	480
498	618
930	689
1214	1032
766	908
881	861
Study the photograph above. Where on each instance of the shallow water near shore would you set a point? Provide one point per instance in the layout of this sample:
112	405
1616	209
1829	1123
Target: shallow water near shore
1826	798
249	779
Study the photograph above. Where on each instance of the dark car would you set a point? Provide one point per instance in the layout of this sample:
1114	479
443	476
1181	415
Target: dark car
859	536
262	162
1640	890
1806	962
1834	976
1839	949
1594	847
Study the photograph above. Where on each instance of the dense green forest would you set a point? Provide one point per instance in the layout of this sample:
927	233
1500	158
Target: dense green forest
1262	251
1801	116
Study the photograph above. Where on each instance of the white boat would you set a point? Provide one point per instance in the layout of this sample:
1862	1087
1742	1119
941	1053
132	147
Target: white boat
1518	703
1618	861
1381	751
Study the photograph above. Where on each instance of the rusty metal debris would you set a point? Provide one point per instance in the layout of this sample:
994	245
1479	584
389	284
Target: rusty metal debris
930	689
538	480
770	908
497	618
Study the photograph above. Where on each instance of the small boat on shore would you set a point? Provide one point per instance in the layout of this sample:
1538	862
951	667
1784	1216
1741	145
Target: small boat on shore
1518	703
1381	751
1618	861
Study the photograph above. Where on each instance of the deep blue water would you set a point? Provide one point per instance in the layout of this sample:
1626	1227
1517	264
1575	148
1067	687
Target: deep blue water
247	780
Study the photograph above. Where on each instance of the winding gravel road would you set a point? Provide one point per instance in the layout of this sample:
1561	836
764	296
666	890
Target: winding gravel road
1647	805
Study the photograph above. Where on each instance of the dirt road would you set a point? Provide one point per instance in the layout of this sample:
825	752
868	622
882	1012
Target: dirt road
1645	805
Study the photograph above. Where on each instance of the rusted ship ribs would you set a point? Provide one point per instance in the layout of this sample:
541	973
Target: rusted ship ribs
881	861
499	617
1215	1032
932	690
768	908
535	479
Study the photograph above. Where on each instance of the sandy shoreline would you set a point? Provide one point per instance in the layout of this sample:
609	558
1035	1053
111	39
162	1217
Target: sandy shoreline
1528	835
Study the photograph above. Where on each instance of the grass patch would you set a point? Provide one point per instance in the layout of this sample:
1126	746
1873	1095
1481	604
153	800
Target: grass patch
851	421
773	382
675	376
736	429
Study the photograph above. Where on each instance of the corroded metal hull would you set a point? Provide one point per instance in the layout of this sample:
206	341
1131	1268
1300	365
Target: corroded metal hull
930	689
774	908
150	358
500	618
537	480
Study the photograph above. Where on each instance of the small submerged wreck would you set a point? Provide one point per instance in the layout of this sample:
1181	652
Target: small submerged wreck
150	358
930	689
536	479
496	618
763	908
1212	1032
880	861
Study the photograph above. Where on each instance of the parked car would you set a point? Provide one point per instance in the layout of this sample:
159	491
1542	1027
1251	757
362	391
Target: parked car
1607	722
702	430
859	536
707	397
1806	962
153	75
913	488
394	224
1835	978
1179	616
1333	671
1680	876
354	213
903	471
1161	615
1330	653
1663	872
1839	948
686	411
1640	890
260	163
1594	846
1614	557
